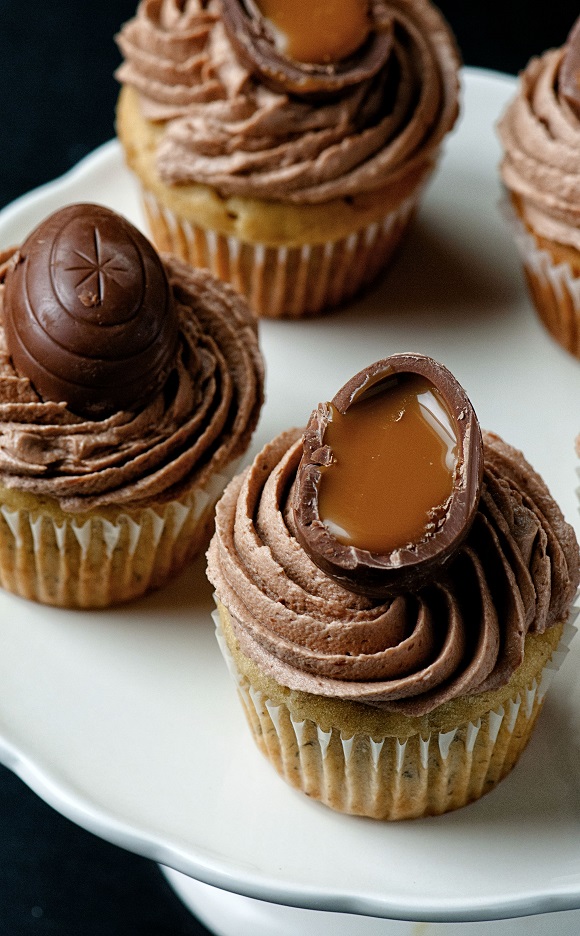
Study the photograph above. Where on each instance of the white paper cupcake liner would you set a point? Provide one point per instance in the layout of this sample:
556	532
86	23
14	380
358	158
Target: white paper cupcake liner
388	777
284	281
90	561
554	288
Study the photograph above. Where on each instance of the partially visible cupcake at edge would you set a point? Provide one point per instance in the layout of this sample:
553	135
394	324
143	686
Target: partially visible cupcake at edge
540	133
293	180
130	386
393	632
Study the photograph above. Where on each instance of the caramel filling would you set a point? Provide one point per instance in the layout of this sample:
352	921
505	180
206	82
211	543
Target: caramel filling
319	33
395	458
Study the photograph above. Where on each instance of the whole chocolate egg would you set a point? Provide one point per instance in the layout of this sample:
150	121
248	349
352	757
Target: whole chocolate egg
89	315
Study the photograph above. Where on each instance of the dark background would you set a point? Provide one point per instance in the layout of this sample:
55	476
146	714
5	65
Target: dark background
58	96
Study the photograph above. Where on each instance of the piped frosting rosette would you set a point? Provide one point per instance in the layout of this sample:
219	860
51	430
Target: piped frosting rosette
462	635
98	510
167	57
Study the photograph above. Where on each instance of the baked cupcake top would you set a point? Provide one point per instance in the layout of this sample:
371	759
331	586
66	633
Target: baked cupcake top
227	127
540	132
459	630
170	395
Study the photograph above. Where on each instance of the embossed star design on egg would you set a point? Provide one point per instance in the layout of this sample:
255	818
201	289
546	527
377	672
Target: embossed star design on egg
106	280
96	270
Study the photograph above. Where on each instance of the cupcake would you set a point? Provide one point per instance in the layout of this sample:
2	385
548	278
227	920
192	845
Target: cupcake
540	133
130	386
285	146
394	593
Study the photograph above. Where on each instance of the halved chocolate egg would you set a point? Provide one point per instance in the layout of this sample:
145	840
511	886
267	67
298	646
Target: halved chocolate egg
273	39
89	316
390	477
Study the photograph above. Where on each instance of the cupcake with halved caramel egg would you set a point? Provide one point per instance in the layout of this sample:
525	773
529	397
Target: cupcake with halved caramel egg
394	594
130	386
285	145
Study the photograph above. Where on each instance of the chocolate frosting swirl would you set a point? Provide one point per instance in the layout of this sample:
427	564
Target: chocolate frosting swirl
225	129
201	419
516	572
541	137
167	50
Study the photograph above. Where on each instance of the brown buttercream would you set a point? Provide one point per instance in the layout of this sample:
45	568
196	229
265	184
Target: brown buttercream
225	129
541	138
200	420
516	573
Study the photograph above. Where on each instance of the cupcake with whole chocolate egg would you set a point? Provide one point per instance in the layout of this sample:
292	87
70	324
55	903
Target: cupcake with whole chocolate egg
130	385
394	593
284	145
540	133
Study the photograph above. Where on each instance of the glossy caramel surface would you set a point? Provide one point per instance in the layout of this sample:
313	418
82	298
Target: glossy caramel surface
395	452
